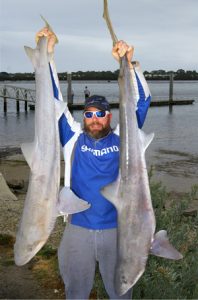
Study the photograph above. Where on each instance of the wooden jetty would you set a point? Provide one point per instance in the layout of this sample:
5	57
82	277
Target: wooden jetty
115	104
80	106
172	102
28	96
18	94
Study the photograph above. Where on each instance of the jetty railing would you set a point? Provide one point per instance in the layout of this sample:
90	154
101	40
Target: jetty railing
18	94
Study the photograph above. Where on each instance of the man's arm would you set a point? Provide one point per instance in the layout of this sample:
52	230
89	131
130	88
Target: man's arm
69	129
143	96
67	125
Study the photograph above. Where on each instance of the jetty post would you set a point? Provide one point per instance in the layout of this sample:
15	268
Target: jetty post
69	89
17	101
171	87
171	92
4	100
25	103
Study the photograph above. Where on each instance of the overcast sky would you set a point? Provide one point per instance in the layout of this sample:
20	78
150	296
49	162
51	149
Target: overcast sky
163	32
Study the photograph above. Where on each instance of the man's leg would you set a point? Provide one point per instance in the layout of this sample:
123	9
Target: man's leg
77	261
107	257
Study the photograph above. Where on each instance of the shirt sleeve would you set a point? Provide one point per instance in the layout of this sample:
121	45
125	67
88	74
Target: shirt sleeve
69	129
143	94
67	125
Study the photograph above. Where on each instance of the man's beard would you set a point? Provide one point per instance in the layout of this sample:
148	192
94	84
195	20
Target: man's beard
97	133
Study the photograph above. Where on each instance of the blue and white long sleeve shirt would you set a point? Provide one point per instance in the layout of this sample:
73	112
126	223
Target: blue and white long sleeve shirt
91	164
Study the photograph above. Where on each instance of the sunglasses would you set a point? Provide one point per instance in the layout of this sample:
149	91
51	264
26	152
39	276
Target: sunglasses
98	114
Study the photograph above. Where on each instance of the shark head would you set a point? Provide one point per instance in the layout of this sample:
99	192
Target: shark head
127	275
122	280
24	252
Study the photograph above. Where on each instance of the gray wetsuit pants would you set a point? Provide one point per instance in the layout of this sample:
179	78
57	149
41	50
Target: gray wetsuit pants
78	253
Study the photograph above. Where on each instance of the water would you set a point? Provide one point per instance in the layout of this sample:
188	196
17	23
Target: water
173	152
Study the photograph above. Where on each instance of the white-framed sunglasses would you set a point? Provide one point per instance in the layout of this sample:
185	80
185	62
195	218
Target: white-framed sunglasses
97	113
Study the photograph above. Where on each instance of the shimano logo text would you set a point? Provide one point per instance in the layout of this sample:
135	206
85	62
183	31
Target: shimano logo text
101	152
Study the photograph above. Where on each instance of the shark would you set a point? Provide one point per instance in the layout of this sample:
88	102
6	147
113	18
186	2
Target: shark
43	200
130	193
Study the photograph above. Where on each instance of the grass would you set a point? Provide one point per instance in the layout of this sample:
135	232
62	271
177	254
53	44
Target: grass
167	279
163	278
6	240
44	265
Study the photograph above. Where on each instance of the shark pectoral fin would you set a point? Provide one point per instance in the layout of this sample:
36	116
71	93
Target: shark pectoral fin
69	203
146	138
28	149
60	108
163	248
110	191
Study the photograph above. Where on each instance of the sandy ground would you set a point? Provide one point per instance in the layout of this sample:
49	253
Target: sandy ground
20	282
16	173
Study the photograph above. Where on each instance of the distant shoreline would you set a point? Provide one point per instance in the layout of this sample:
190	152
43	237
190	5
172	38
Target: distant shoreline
106	75
96	79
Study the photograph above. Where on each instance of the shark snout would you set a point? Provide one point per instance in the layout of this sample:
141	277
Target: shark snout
122	283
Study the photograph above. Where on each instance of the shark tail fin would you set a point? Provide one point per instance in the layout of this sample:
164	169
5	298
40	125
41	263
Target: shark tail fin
163	248
49	27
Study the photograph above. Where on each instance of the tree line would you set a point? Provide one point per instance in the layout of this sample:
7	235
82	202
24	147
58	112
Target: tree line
107	75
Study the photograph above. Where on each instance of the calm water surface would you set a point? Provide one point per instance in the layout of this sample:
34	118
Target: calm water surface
174	150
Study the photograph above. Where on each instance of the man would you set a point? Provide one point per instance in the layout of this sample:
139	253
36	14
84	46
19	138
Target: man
91	162
86	92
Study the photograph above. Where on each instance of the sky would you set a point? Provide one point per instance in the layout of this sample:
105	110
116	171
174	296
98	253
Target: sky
163	32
